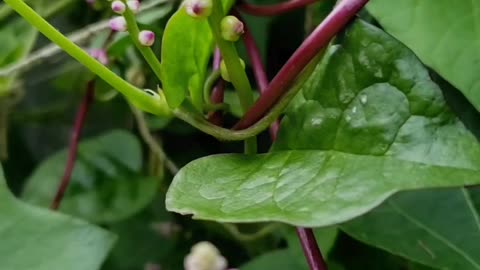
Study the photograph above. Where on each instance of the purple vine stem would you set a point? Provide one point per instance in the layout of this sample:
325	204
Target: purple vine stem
75	137
217	91
317	40
310	249
276	9
258	68
305	235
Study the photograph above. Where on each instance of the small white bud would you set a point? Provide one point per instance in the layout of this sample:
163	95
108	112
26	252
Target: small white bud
118	7
133	5
231	28
118	24
205	256
198	8
146	38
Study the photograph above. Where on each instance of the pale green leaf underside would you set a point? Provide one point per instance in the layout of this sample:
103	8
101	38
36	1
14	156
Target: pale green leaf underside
444	34
35	238
304	188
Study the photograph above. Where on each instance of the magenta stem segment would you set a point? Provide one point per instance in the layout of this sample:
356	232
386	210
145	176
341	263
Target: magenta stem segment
258	68
310	249
276	9
217	91
317	40
72	150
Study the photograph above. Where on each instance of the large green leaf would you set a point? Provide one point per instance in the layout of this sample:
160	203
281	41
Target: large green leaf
35	238
106	184
444	34
186	48
304	188
430	134
437	228
378	125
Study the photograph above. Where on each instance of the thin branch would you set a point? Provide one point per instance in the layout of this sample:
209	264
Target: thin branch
79	37
72	151
151	142
258	68
217	91
275	9
310	249
318	40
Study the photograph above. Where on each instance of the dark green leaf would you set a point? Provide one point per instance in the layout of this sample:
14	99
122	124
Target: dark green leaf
35	238
278	260
444	35
438	228
304	188
106	185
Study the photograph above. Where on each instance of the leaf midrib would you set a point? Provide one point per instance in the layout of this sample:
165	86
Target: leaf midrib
434	234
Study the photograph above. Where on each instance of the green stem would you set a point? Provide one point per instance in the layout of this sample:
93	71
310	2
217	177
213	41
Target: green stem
138	97
193	118
147	52
235	69
208	86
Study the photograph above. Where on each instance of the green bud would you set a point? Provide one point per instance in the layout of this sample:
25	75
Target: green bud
232	28
224	72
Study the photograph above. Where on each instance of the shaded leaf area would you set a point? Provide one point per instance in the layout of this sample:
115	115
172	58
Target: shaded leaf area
18	38
437	228
445	37
106	184
35	238
304	188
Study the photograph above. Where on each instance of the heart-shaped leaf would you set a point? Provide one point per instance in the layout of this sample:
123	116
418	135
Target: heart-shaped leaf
35	238
106	184
444	34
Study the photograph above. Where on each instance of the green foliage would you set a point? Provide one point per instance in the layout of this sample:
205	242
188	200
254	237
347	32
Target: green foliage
35	238
444	35
436	227
335	186
106	184
187	45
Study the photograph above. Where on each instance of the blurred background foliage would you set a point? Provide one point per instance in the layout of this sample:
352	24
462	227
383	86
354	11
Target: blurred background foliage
118	182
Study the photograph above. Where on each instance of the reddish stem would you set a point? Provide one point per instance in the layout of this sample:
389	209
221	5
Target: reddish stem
258	68
75	137
276	9
317	40
217	91
310	249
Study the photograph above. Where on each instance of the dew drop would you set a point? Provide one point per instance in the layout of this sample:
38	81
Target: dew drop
363	99
151	93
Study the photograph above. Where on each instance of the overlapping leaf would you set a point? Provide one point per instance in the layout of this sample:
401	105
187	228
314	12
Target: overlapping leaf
444	34
378	123
106	183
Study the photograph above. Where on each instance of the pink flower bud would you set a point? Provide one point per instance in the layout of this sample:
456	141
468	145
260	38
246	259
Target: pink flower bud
118	7
198	8
146	38
133	5
118	24
100	55
231	28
